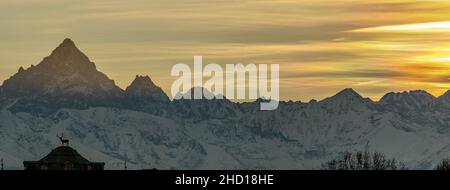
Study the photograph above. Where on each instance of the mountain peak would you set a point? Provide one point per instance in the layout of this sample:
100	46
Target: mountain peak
67	46
416	93
68	55
68	43
66	70
413	94
410	100
345	97
143	86
143	81
348	93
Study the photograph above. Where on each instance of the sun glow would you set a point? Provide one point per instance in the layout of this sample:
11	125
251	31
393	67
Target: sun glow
419	27
442	59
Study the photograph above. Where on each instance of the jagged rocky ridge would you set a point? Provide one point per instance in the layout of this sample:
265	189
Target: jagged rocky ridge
66	93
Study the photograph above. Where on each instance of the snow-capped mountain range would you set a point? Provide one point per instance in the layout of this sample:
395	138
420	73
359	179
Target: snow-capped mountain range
140	125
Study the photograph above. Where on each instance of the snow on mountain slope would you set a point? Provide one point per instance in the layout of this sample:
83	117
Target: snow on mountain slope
104	134
201	109
295	136
251	147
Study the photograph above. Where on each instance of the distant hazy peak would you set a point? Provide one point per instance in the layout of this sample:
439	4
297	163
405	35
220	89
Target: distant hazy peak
347	93
346	97
418	92
142	81
143	86
418	95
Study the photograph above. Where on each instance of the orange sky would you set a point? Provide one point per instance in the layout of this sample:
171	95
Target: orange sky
322	46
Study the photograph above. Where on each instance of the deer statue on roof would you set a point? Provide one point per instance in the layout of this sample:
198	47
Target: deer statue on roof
63	141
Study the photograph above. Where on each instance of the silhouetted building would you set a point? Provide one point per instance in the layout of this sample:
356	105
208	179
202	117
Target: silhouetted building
63	158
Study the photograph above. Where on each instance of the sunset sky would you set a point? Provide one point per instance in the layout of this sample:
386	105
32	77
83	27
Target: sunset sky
322	46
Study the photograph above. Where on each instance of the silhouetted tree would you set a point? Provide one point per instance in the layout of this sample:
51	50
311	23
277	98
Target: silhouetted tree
363	161
443	165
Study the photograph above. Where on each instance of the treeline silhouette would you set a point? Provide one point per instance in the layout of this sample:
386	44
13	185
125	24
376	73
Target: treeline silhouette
364	161
443	165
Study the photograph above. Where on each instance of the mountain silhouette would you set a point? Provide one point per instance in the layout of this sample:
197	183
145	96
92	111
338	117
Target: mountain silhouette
143	87
67	71
347	94
66	91
344	100
416	99
67	78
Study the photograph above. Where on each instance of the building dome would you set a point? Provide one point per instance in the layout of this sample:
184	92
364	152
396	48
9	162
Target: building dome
63	158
